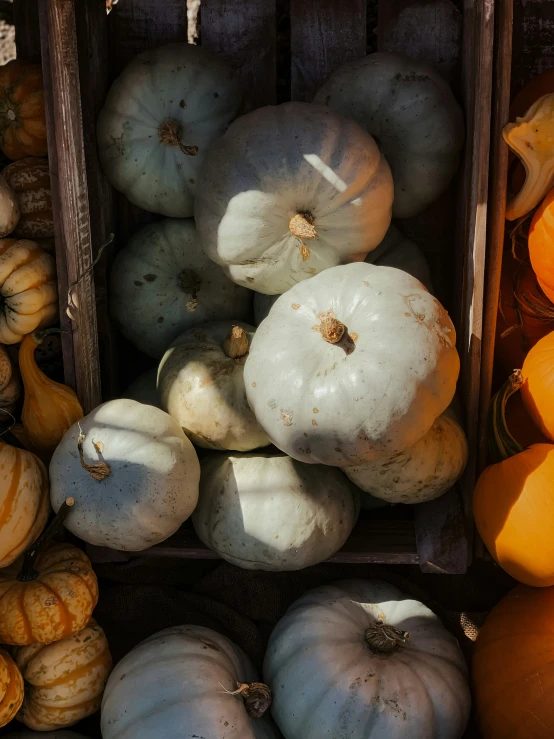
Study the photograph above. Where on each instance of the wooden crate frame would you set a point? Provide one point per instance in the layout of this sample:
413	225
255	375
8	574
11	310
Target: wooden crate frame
82	51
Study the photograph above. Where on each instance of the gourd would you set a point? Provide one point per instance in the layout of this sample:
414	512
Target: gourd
354	365
9	384
394	251
541	245
9	209
512	501
159	118
49	408
411	111
201	385
133	473
64	681
22	118
11	688
525	314
24	501
423	471
144	389
162	284
29	179
537	389
28	289
512	416
289	191
513	667
530	137
359	658
186	676
47	597
270	512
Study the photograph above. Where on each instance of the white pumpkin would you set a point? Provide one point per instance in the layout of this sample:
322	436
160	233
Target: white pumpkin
144	389
270	512
132	472
354	365
423	471
360	659
201	385
184	682
411	111
290	191
162	284
9	209
394	251
159	118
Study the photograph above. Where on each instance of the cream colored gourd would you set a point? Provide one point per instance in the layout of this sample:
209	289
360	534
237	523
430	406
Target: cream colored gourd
394	251
186	678
423	471
29	179
162	284
352	366
290	191
201	385
9	209
411	111
160	116
144	389
28	289
270	512
64	681
132	471
360	659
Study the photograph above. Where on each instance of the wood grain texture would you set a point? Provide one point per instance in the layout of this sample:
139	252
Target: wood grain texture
533	45
27	30
324	35
441	535
71	209
243	32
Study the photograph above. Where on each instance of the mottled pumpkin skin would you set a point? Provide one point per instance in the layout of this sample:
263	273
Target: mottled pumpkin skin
513	667
22	119
54	606
29	179
24	501
64	680
11	688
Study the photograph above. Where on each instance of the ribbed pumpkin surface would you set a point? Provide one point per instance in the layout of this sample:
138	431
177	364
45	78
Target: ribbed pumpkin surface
11	688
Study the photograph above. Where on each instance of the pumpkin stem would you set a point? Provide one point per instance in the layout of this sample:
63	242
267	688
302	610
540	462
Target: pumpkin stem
97	470
169	132
335	332
235	345
384	638
28	571
302	225
501	442
257	698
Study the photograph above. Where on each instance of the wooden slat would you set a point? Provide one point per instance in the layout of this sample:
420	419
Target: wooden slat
243	32
441	535
27	30
70	193
497	209
324	35
533	46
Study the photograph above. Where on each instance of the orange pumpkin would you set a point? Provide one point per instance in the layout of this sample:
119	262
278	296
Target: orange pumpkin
538	384
49	408
11	688
512	502
24	501
541	245
513	667
22	118
525	314
49	600
29	179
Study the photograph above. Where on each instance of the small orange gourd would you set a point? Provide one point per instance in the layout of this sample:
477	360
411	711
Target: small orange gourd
11	688
22	117
512	502
541	245
49	408
538	384
513	667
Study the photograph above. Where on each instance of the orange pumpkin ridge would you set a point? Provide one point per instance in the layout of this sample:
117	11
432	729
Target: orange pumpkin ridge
22	117
541	244
538	385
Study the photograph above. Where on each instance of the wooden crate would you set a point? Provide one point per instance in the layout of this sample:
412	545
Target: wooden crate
282	50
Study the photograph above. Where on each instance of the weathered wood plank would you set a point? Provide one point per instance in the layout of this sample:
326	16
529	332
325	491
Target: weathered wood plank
533	46
27	30
244	33
324	35
441	535
67	156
